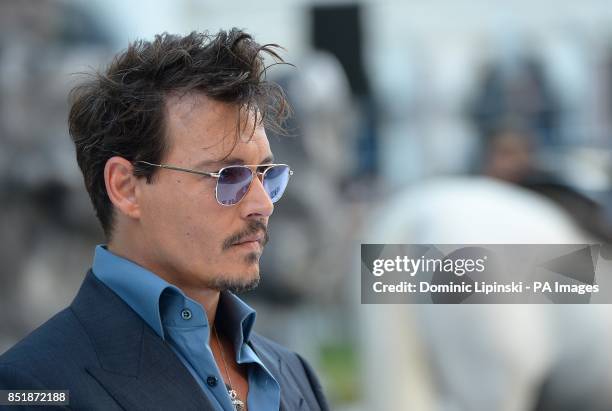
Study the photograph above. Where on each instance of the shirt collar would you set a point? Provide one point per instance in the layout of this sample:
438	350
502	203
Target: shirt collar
137	286
233	311
142	290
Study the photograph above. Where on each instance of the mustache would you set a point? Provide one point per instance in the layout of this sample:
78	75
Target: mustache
253	227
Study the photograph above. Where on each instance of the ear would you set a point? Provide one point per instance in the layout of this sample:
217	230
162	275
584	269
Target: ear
122	186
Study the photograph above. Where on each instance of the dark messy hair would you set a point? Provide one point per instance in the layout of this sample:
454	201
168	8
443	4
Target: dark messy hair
121	111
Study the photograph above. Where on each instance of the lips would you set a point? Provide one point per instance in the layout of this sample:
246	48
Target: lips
258	237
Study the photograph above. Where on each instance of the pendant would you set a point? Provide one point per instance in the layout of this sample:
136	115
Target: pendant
236	402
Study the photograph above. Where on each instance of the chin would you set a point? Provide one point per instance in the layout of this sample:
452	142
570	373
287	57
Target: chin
241	284
238	278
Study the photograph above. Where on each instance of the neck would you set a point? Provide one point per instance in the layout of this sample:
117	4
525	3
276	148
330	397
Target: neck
207	297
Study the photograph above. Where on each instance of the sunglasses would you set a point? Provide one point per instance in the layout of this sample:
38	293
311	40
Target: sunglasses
233	182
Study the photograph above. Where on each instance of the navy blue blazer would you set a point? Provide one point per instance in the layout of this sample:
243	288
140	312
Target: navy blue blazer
110	359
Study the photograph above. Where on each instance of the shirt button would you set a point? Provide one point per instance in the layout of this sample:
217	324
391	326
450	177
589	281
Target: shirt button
186	314
211	381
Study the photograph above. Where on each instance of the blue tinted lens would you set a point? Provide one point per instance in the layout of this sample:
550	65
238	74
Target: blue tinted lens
233	184
275	181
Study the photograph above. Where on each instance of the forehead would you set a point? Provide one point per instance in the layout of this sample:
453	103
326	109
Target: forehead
200	128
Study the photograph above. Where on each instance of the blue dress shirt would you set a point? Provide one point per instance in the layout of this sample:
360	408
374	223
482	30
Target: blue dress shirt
182	322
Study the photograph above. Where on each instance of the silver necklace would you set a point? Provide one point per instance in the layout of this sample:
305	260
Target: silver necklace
236	402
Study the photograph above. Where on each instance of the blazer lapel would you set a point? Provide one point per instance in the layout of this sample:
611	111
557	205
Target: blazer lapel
136	367
291	398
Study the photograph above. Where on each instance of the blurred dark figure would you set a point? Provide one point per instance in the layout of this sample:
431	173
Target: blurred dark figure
516	88
511	154
346	44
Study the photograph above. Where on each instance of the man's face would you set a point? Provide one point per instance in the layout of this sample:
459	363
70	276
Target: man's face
191	240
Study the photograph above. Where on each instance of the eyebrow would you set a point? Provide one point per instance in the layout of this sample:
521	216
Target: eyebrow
230	161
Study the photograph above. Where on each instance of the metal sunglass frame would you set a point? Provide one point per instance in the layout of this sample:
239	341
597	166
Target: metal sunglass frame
217	175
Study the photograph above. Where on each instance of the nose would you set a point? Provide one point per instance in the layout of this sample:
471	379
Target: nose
256	202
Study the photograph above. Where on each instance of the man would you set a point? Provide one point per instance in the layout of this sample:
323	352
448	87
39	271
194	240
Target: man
174	154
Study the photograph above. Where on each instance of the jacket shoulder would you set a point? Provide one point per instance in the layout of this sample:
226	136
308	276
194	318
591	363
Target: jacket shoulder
50	349
278	349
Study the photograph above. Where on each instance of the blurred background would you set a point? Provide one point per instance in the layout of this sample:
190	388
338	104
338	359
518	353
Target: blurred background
416	122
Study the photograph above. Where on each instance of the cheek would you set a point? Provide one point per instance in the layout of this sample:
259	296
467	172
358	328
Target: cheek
183	215
163	211
161	223
187	220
